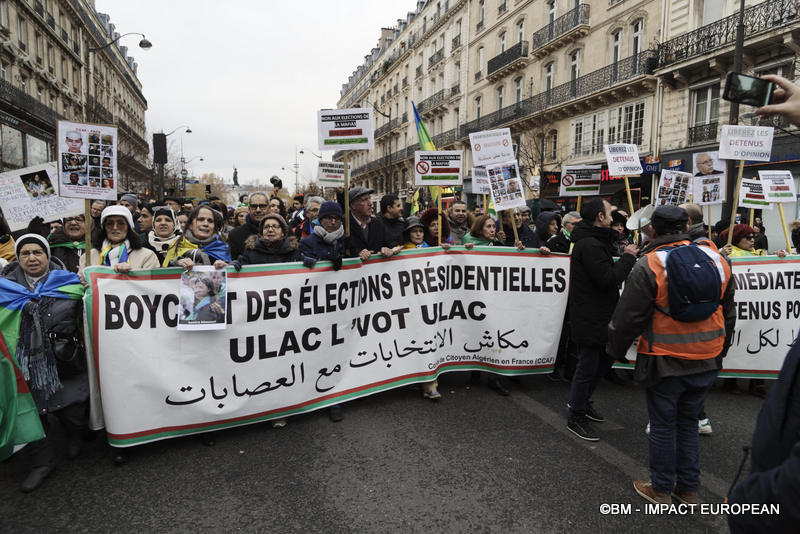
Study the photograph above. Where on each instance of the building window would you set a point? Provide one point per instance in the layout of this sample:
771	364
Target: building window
4	71
500	93
552	10
577	138
478	107
3	14
548	76
518	90
554	145
705	105
636	44
520	31
501	44
481	12
616	46
22	33
575	65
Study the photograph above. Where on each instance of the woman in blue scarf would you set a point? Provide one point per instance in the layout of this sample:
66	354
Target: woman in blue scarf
201	243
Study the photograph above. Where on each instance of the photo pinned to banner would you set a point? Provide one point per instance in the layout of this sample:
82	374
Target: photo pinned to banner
778	186
480	181
437	167
580	180
30	192
330	173
709	183
87	161
751	195
203	299
673	188
506	186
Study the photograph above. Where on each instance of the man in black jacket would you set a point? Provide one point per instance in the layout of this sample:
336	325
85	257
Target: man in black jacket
257	209
391	217
594	285
367	234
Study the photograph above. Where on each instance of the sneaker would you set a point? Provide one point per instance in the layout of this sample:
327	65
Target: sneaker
279	423
704	427
432	394
591	413
645	489
582	430
686	497
647	429
335	413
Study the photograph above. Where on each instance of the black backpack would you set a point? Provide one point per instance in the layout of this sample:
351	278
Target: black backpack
694	284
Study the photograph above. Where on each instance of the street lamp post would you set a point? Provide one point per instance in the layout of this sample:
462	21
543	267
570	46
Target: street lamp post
184	172
733	117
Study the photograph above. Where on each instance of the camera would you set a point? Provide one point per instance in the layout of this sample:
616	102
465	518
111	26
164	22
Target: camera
748	90
276	182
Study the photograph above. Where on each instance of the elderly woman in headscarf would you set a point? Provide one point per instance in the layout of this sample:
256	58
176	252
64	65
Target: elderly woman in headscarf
165	232
117	244
743	242
41	331
201	243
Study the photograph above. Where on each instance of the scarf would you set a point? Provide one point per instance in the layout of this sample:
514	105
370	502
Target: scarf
213	246
272	247
328	237
111	255
161	244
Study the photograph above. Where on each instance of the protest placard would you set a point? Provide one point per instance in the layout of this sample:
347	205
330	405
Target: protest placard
30	192
751	195
673	188
506	186
330	173
751	143
480	181
491	146
87	160
778	186
623	159
579	180
299	339
203	299
709	183
345	129
437	167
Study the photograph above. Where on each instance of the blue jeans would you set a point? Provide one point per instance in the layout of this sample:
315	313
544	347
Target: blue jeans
673	405
593	364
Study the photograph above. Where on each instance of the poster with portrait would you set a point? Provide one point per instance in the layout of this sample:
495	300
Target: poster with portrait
30	192
506	186
673	188
87	160
709	183
203	297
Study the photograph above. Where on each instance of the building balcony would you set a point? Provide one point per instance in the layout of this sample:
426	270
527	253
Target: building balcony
445	138
381	131
704	133
394	123
436	58
514	58
562	31
456	42
758	19
432	102
20	99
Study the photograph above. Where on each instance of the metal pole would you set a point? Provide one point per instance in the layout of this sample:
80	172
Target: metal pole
161	183
733	116
296	165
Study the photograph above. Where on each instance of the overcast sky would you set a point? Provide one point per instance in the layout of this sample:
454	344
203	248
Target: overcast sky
248	76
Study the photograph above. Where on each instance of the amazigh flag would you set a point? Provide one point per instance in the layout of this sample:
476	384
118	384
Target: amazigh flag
19	419
425	143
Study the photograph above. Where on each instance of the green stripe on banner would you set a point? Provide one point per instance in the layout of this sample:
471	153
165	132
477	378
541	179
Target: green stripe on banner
347	141
582	188
439	177
755	202
782	195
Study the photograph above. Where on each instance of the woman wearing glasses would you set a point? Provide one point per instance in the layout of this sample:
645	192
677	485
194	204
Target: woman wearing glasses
271	245
743	243
118	245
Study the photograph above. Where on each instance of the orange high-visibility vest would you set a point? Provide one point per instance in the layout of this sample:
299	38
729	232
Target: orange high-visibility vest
698	340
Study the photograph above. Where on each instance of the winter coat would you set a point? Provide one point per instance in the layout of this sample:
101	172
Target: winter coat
239	235
479	242
525	234
373	240
594	282
67	251
458	231
313	249
393	230
542	224
559	243
775	463
255	252
140	258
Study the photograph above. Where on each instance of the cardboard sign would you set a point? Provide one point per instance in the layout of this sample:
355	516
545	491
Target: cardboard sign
29	192
673	188
345	129
330	172
623	159
751	195
87	160
778	186
708	189
751	143
480	181
491	147
506	186
438	167
577	180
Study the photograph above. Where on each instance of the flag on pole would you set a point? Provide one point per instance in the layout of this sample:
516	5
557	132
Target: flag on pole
425	143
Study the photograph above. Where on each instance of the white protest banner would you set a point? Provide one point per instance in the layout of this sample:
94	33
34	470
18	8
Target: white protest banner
480	181
506	186
491	146
751	143
203	302
299	339
438	167
623	159
751	195
29	192
767	314
345	129
673	188
778	186
87	160
330	172
577	180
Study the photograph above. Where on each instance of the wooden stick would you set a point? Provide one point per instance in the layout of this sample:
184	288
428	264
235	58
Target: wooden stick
514	226
485	205
439	217
346	198
752	210
87	214
630	206
578	207
785	230
709	220
735	201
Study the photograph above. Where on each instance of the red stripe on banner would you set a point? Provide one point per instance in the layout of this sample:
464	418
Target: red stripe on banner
754	195
587	182
344	133
780	188
444	170
750	371
763	262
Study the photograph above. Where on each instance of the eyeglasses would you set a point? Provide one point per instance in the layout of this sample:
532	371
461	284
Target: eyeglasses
115	223
77	219
259	206
749	236
272	227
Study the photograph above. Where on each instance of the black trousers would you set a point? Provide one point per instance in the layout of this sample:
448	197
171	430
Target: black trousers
73	418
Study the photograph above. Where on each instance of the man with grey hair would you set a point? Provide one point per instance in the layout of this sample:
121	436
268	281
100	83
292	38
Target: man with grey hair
304	222
697	230
562	242
256	210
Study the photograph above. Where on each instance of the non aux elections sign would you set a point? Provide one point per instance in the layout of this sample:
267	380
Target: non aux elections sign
330	172
623	159
579	180
438	167
751	195
345	129
752	143
491	146
299	339
778	186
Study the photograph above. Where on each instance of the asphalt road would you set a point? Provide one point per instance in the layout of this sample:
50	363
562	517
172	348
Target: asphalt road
474	462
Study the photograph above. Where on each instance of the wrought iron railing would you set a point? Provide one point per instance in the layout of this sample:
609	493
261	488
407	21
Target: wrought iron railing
436	57
432	101
456	41
518	51
758	18
445	138
20	99
560	26
382	130
703	133
394	123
